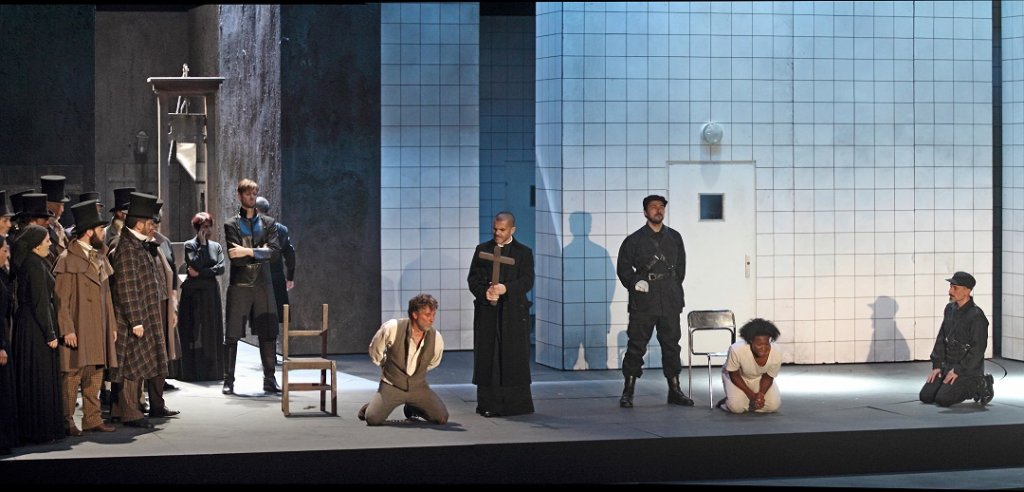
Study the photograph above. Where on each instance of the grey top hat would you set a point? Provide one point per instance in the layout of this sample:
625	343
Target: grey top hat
121	198
53	187
4	210
33	205
86	216
143	206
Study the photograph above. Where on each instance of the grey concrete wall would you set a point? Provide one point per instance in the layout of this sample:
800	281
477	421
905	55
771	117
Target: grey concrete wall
131	47
46	95
249	104
330	193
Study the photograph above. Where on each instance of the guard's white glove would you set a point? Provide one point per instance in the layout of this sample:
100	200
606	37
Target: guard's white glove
642	286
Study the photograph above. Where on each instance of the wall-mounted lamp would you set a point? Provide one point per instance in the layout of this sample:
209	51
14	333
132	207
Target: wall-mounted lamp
141	146
711	133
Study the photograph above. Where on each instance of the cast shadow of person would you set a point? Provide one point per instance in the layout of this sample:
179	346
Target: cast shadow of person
888	343
599	287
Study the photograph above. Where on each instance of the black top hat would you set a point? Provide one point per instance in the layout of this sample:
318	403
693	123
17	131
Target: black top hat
53	187
33	205
4	211
121	198
143	206
90	195
86	216
963	279
651	198
17	204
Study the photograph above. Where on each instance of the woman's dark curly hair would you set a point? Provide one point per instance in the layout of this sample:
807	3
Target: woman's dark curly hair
759	327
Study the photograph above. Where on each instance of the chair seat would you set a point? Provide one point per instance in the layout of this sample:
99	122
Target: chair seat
309	363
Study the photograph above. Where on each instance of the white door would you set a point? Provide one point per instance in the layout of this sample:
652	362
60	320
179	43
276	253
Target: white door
713	206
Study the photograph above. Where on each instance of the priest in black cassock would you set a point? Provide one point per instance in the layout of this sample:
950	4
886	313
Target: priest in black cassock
501	322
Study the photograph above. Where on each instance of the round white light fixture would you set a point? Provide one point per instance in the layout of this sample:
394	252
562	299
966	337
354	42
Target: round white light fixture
711	133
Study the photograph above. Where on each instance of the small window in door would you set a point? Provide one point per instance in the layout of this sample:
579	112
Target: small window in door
711	206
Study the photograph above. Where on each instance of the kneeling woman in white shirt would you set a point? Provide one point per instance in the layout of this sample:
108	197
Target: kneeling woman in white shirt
750	370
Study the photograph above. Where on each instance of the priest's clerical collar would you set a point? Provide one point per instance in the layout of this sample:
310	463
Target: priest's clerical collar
510	238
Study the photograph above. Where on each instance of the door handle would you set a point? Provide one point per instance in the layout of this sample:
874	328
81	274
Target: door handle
746	265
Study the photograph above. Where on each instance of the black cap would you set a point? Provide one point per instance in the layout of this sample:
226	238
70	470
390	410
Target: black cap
963	279
143	206
4	210
86	216
651	198
33	205
53	187
122	196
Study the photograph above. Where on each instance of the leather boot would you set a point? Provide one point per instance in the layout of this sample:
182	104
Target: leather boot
230	353
676	395
627	392
268	356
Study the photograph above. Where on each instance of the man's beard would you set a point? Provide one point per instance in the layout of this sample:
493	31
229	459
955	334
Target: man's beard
96	242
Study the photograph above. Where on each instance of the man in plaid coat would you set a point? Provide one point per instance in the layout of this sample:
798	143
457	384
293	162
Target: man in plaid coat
139	285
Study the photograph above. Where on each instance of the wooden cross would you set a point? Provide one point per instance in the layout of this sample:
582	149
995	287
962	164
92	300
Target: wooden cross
496	260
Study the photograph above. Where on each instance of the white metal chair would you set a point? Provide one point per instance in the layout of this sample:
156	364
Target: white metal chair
709	321
322	363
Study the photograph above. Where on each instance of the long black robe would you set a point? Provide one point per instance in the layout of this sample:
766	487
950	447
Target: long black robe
501	333
200	315
36	365
8	402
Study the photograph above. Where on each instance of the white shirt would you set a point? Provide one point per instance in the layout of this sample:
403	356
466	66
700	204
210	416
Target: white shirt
741	359
385	337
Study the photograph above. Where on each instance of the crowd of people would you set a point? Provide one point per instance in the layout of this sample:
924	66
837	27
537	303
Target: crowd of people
93	309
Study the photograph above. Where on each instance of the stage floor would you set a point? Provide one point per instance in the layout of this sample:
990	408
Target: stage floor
578	412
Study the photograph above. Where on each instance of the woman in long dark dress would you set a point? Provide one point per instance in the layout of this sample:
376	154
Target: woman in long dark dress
200	317
36	365
8	402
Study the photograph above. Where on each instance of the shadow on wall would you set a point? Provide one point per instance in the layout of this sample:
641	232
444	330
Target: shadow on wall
888	343
599	287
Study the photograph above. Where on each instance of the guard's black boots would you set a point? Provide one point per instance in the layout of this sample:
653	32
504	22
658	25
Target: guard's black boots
627	393
230	352
985	390
676	395
268	356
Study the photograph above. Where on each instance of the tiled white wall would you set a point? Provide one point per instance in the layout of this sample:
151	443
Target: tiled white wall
506	109
430	177
870	125
1013	178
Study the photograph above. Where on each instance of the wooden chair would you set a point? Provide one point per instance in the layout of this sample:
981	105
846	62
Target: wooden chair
322	363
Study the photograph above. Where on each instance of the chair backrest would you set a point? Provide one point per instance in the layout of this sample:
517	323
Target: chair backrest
722	320
288	332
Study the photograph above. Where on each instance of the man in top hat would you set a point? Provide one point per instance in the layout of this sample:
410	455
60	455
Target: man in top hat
958	357
33	211
5	214
85	318
69	230
651	266
120	211
53	187
139	285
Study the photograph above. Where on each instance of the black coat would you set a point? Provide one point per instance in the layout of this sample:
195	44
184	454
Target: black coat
200	314
252	270
8	397
501	333
962	340
636	262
